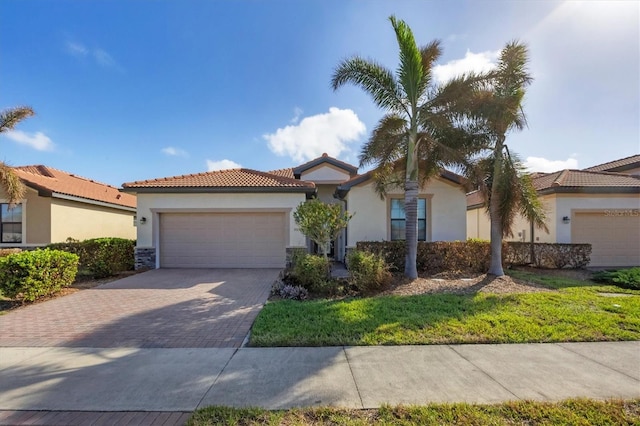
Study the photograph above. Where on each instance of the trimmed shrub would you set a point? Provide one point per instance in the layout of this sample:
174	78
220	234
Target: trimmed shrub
102	257
32	274
625	278
368	272
473	256
313	273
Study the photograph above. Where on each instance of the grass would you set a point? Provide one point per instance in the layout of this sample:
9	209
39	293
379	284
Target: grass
569	412
576	312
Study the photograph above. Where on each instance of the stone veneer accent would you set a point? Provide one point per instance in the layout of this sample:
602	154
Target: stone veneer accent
145	258
289	254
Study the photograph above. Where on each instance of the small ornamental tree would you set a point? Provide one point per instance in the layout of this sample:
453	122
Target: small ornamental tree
321	222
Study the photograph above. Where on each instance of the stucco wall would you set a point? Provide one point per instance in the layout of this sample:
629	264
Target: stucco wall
446	217
325	173
325	193
150	205
82	221
36	225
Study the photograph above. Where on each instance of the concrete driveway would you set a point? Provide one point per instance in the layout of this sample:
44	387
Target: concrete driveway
164	308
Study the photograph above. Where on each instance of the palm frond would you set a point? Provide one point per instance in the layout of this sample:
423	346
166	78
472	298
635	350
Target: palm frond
410	71
11	184
12	116
373	78
430	54
530	205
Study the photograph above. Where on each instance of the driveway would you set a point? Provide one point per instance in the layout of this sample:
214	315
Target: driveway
163	308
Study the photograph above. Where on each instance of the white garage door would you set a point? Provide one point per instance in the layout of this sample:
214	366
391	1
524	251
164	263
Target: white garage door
614	236
222	240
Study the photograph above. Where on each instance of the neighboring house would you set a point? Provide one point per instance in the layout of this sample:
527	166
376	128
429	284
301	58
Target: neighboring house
599	205
243	218
60	205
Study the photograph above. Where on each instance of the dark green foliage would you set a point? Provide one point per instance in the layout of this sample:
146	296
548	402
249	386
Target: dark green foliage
102	257
473	256
32	274
368	271
625	278
313	273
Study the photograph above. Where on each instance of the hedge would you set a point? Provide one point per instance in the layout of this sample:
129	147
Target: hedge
102	257
474	255
32	274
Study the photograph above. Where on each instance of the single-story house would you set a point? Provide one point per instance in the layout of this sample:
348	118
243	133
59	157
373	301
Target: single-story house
59	205
243	218
599	205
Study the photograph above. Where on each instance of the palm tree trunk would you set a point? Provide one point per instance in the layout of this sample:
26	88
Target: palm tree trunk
411	228
495	268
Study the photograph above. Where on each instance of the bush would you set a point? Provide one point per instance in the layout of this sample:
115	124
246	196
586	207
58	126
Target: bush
294	292
625	278
32	274
473	256
102	257
313	273
368	271
8	251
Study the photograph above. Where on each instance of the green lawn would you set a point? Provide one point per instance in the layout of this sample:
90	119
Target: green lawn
575	312
569	412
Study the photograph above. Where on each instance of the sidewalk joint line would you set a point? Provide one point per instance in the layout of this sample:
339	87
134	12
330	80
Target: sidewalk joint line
483	372
355	382
235	351
594	360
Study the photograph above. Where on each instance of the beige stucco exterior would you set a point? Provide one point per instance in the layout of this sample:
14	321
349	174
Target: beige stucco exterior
574	207
150	206
81	221
446	205
49	220
325	173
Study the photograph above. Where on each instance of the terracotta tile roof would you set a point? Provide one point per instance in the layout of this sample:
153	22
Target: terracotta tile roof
474	199
617	165
48	179
288	173
584	179
575	181
235	179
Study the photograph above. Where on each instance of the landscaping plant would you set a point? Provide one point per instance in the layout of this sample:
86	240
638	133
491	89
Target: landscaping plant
321	222
368	272
32	274
625	278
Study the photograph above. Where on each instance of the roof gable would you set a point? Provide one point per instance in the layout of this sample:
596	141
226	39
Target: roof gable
343	189
351	170
49	181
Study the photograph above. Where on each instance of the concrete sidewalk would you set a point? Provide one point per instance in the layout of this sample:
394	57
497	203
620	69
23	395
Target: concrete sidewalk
179	380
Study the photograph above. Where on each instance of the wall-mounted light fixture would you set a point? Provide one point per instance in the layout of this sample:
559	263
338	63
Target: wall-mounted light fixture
565	219
143	220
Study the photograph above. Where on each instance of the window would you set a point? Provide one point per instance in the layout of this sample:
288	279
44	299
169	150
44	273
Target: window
10	224
398	219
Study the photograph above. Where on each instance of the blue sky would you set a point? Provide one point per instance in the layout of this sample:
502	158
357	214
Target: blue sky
129	90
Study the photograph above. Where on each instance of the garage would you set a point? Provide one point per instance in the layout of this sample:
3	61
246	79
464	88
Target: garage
613	234
223	240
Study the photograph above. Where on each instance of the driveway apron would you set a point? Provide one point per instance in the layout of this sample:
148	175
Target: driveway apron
164	308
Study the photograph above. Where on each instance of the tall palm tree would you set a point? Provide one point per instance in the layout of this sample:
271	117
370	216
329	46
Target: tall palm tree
507	190
10	183
420	118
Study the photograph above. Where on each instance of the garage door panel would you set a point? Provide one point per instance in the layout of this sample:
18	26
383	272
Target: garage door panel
219	240
615	239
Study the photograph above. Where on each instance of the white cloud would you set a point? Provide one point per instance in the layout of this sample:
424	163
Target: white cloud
76	49
297	112
329	132
37	140
175	152
222	165
100	56
476	62
539	164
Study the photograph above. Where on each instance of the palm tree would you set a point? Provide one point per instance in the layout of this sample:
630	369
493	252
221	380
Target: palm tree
507	190
10	183
423	129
